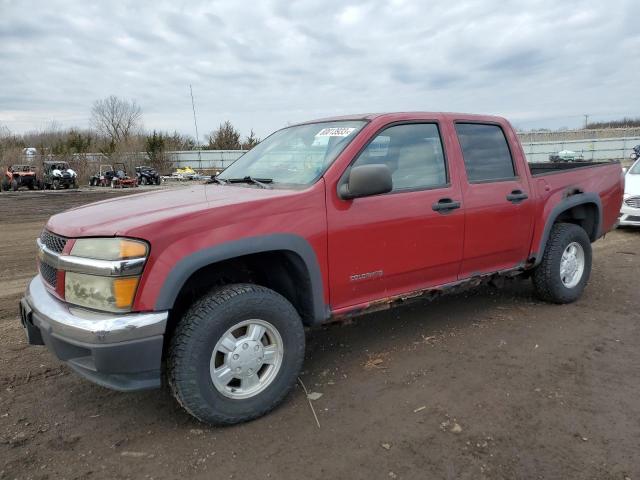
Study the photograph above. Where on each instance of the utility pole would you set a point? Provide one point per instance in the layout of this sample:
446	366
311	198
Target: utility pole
195	122
586	120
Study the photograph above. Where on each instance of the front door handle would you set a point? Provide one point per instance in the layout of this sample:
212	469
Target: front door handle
445	204
517	196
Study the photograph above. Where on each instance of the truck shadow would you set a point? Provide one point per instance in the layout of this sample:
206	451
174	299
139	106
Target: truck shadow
341	346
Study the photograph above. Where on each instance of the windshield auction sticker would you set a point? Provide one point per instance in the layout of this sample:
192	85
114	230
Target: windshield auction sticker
335	132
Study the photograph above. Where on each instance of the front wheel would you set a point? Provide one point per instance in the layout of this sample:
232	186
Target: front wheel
566	265
236	354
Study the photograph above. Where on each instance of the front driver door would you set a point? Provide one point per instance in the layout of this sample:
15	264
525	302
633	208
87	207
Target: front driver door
405	240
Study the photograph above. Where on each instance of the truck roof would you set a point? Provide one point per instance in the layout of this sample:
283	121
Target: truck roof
391	116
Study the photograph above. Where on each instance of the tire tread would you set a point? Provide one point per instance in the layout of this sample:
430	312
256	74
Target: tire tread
181	375
547	283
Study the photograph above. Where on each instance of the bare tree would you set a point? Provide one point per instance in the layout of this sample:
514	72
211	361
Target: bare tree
116	119
226	137
251	141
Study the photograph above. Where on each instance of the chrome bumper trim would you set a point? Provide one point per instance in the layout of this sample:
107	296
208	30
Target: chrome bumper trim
77	324
90	266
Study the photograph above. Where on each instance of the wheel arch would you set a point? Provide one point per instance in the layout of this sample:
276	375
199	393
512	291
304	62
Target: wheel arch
583	209
284	262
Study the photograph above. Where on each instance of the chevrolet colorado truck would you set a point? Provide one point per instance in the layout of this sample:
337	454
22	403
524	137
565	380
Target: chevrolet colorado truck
209	287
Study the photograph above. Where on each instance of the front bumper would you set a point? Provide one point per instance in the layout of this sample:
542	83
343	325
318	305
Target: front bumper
629	216
118	351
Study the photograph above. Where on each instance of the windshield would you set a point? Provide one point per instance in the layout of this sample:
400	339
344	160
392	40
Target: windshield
635	168
296	155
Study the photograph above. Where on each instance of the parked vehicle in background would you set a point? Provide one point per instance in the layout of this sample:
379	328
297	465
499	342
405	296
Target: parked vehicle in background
212	285
635	154
102	178
566	156
630	210
186	173
147	176
58	175
17	176
121	179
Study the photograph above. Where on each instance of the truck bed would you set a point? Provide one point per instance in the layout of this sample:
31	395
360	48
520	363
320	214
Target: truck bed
547	168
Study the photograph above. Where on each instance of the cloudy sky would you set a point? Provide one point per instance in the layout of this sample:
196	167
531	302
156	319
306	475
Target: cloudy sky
262	64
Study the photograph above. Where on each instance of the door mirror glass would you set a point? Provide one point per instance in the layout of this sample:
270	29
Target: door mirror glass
367	180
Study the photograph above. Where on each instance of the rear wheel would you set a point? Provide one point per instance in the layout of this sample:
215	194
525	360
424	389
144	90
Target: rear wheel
566	265
143	180
236	354
55	184
14	185
158	180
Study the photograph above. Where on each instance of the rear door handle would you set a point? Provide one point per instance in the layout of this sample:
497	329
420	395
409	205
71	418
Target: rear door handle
445	204
517	196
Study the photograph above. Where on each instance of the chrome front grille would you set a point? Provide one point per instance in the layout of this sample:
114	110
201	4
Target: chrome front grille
53	242
49	274
633	202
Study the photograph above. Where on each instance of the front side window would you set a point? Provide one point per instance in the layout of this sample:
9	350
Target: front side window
485	151
635	168
413	153
295	156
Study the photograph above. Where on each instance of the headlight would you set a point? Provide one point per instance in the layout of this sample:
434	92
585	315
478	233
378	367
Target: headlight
112	294
114	291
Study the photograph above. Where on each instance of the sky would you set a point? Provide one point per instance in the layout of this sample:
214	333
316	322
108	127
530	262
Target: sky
265	64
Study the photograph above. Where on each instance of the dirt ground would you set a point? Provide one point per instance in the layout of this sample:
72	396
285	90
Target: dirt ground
488	384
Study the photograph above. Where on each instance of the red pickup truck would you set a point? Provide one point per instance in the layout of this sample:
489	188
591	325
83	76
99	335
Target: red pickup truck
211	286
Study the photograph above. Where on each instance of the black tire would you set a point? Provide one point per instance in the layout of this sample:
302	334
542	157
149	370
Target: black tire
158	180
194	340
547	280
4	186
14	185
143	180
55	185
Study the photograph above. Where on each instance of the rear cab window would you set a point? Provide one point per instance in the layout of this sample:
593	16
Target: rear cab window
486	153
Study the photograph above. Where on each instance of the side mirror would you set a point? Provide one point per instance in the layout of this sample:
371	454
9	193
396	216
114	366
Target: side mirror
366	180
624	169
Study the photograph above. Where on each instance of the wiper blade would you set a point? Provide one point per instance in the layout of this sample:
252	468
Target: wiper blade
261	182
215	179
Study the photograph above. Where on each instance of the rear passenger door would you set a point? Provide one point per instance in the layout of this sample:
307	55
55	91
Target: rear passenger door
498	210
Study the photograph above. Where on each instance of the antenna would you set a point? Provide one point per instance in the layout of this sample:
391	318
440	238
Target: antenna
195	122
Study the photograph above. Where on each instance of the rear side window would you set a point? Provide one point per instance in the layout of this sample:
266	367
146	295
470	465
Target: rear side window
413	153
485	151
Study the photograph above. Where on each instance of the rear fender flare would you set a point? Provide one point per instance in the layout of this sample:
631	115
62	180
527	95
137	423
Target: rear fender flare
187	266
564	205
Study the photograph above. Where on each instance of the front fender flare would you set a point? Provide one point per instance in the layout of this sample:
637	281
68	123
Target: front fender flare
187	266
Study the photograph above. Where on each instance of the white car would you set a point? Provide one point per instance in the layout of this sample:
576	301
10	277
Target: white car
630	211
